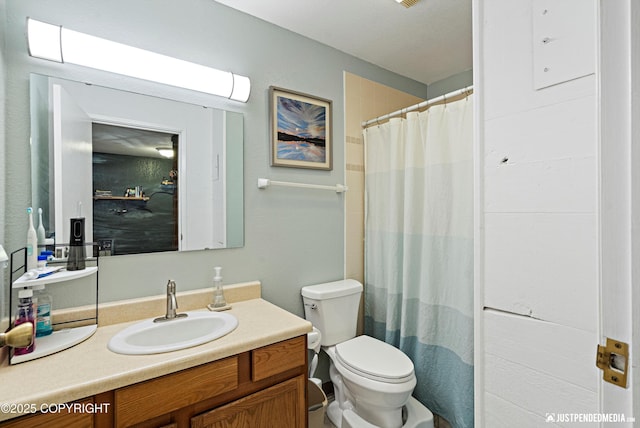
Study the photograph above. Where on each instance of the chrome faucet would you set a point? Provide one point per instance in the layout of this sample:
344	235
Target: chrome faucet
172	304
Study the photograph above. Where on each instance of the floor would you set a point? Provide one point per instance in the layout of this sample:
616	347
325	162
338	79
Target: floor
438	422
327	423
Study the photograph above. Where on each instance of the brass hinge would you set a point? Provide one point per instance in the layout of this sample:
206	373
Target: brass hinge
613	359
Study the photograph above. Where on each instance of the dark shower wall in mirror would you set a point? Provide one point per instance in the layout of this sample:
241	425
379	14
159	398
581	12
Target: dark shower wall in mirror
130	225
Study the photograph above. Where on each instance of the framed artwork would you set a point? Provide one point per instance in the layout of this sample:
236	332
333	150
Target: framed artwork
300	130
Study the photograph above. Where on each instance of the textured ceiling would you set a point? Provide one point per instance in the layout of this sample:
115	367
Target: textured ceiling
426	42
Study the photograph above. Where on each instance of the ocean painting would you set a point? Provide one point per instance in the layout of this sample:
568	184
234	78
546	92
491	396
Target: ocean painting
301	131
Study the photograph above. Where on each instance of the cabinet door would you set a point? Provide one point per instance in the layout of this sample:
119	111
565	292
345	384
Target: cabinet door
156	397
282	405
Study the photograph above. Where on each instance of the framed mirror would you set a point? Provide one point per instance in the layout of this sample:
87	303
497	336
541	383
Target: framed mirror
148	174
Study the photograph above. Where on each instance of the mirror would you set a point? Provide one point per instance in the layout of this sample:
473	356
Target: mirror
148	174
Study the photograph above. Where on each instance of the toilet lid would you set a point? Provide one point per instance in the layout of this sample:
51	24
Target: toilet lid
375	359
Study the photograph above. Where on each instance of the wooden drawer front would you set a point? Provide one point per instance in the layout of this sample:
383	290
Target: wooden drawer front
146	400
277	358
282	406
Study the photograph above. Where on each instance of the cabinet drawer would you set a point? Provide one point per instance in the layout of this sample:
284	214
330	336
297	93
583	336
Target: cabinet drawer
282	406
136	403
277	358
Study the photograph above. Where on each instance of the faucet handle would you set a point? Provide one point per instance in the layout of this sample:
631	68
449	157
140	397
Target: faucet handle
171	296
172	304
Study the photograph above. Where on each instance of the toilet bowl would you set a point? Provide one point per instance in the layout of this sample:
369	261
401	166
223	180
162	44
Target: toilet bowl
372	380
376	387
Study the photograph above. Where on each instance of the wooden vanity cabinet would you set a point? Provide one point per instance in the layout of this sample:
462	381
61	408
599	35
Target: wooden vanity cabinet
250	389
264	387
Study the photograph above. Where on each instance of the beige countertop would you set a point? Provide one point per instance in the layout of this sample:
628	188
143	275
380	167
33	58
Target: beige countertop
90	368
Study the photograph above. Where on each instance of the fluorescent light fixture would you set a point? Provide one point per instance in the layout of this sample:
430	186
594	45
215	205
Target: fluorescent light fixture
59	44
167	152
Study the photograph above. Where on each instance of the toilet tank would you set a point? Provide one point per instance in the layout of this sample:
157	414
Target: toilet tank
332	308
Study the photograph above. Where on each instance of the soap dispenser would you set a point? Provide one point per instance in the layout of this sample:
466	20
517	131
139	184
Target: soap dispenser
219	303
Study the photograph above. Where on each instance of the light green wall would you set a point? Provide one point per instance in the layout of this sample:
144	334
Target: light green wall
293	237
450	84
3	194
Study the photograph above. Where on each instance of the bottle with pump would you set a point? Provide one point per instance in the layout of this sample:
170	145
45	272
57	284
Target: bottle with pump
219	303
42	302
32	243
25	314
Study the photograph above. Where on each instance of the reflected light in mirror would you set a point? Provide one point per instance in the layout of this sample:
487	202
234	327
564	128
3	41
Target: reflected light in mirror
53	42
167	152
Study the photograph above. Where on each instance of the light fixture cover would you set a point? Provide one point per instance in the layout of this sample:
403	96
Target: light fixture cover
63	45
44	40
407	3
167	152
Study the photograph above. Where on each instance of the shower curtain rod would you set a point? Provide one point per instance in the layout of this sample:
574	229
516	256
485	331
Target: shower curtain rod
453	94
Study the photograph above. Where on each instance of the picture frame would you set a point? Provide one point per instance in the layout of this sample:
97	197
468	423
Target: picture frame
301	130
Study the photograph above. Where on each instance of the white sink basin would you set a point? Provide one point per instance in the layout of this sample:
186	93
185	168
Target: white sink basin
148	337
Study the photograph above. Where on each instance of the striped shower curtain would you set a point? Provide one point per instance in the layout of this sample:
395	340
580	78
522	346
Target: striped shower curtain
419	250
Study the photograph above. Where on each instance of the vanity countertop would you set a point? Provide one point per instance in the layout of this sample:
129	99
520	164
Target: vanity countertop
90	368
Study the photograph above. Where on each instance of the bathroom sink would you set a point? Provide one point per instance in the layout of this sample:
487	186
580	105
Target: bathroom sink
149	337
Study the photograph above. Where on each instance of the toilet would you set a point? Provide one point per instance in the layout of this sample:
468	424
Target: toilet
372	380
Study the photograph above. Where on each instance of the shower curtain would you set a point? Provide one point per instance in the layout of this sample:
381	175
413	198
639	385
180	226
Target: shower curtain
419	250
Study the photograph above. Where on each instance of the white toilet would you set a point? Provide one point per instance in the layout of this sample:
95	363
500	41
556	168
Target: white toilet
372	380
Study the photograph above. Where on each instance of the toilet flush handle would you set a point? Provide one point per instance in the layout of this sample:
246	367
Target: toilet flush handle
311	305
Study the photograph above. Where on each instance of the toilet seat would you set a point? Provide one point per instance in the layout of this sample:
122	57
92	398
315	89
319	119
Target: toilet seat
375	360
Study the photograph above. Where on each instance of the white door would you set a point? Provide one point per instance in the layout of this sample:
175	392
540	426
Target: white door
553	231
72	148
619	76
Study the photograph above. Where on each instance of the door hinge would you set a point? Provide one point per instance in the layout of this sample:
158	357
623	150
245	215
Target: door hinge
613	359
